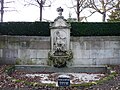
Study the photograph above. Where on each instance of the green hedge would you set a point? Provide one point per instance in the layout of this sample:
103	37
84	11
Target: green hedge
95	29
25	28
77	29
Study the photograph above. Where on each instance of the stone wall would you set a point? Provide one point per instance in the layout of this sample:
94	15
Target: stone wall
90	50
96	50
24	49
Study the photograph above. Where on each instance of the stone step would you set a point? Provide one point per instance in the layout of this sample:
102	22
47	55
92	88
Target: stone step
75	69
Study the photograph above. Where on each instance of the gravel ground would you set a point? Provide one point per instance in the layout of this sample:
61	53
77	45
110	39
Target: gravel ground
7	84
113	84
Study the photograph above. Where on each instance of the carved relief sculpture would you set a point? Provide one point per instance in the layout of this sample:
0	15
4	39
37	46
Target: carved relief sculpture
60	41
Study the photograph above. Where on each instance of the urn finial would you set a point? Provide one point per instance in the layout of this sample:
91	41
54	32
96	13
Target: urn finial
60	10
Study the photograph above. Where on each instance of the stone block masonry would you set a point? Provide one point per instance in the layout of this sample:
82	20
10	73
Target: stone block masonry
89	50
96	50
24	49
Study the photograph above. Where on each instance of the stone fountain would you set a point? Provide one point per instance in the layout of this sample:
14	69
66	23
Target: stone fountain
60	53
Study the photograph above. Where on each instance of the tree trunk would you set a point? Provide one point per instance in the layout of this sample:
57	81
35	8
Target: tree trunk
41	6
104	10
78	12
104	16
2	11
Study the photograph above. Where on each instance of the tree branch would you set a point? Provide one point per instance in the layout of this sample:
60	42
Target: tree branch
31	4
91	14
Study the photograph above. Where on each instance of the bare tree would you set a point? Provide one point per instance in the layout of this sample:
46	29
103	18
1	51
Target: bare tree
2	10
79	6
115	14
118	5
102	6
40	4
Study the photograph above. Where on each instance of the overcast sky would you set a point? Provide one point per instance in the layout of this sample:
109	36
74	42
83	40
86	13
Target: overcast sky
31	13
